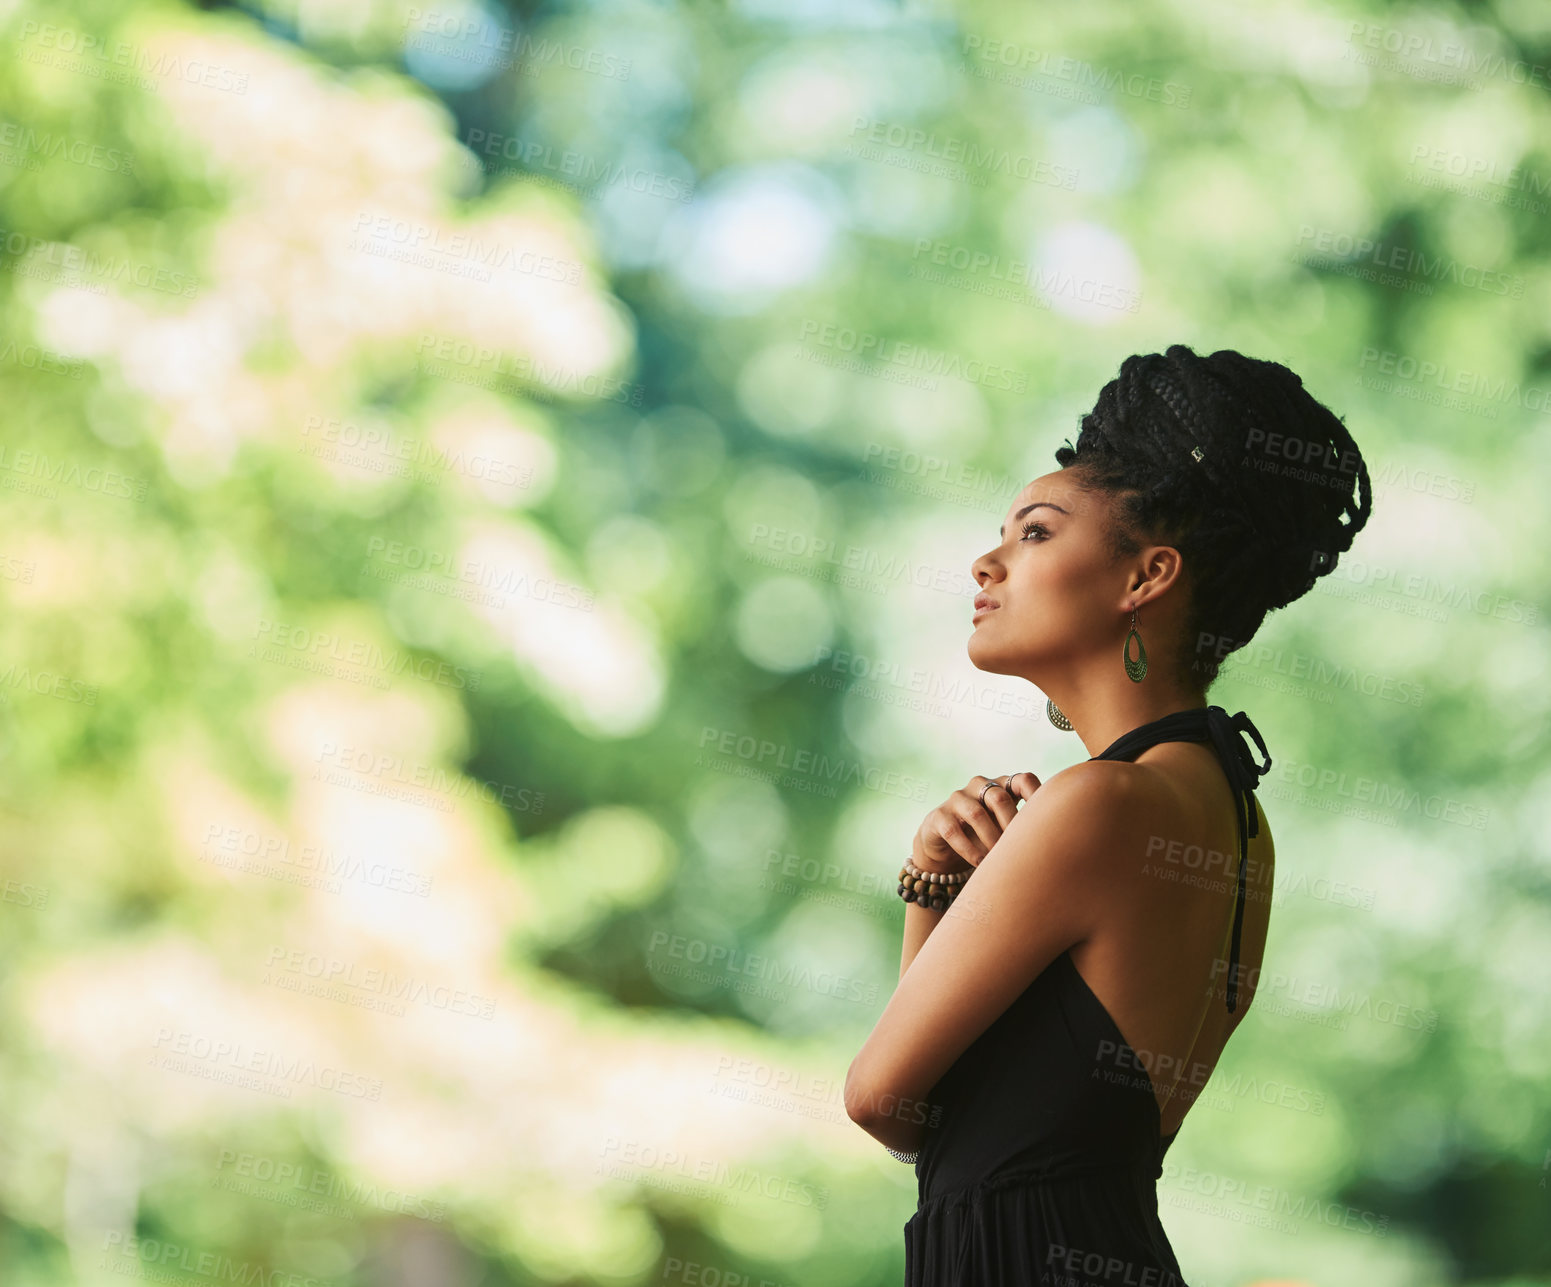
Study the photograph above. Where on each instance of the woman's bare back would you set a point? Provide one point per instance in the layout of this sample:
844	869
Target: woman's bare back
1159	962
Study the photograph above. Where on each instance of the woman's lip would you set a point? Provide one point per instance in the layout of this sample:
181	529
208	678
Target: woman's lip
979	612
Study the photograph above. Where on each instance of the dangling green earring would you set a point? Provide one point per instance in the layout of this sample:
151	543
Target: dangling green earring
1137	669
1057	717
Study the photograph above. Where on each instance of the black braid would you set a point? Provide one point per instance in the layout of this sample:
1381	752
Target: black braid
1258	519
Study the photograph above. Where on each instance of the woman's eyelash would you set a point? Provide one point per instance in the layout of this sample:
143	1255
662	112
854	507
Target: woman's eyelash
1031	527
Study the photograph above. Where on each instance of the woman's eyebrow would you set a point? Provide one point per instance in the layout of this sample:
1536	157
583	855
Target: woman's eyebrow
1002	531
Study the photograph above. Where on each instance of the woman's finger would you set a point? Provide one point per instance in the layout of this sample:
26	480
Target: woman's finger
978	819
996	798
1022	785
956	837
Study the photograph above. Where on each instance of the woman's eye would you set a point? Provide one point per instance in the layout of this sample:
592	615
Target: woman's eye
1030	528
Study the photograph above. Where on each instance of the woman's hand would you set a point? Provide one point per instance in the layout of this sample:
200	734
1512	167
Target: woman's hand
960	831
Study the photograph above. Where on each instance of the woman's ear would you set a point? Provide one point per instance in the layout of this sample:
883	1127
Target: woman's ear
1161	566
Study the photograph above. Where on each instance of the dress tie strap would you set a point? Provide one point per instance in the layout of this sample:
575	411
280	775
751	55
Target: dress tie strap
1212	724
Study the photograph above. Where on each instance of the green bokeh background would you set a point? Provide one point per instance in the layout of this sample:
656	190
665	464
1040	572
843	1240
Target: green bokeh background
489	496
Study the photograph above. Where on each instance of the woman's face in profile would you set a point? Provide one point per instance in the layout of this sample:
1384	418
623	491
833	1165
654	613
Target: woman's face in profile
1057	592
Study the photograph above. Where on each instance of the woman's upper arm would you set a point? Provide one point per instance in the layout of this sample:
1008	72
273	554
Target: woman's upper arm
1037	892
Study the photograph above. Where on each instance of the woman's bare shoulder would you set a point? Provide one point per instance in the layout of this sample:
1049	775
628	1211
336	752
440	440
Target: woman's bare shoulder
1102	782
1098	803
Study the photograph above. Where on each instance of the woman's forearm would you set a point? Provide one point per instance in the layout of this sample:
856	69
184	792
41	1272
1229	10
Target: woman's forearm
904	1126
921	921
919	924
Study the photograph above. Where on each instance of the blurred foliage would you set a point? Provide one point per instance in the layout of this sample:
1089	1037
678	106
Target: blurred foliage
489	501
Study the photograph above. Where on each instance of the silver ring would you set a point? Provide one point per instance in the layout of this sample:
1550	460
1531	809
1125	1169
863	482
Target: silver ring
992	783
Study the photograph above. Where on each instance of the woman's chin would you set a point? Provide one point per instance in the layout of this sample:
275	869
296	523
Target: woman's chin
983	656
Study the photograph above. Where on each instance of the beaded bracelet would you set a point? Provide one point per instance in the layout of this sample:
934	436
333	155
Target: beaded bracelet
903	1157
934	889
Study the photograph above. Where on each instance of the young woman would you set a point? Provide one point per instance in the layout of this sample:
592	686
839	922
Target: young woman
1072	968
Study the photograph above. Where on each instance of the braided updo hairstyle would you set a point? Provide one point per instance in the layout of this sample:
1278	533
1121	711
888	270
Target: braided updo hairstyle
1263	512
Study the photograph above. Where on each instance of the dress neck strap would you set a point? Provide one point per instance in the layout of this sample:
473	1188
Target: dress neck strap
1212	724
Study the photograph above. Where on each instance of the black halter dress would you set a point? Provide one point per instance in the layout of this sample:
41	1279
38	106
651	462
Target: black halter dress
1043	1166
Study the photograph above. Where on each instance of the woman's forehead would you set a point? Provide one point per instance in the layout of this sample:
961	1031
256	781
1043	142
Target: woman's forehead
1052	489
